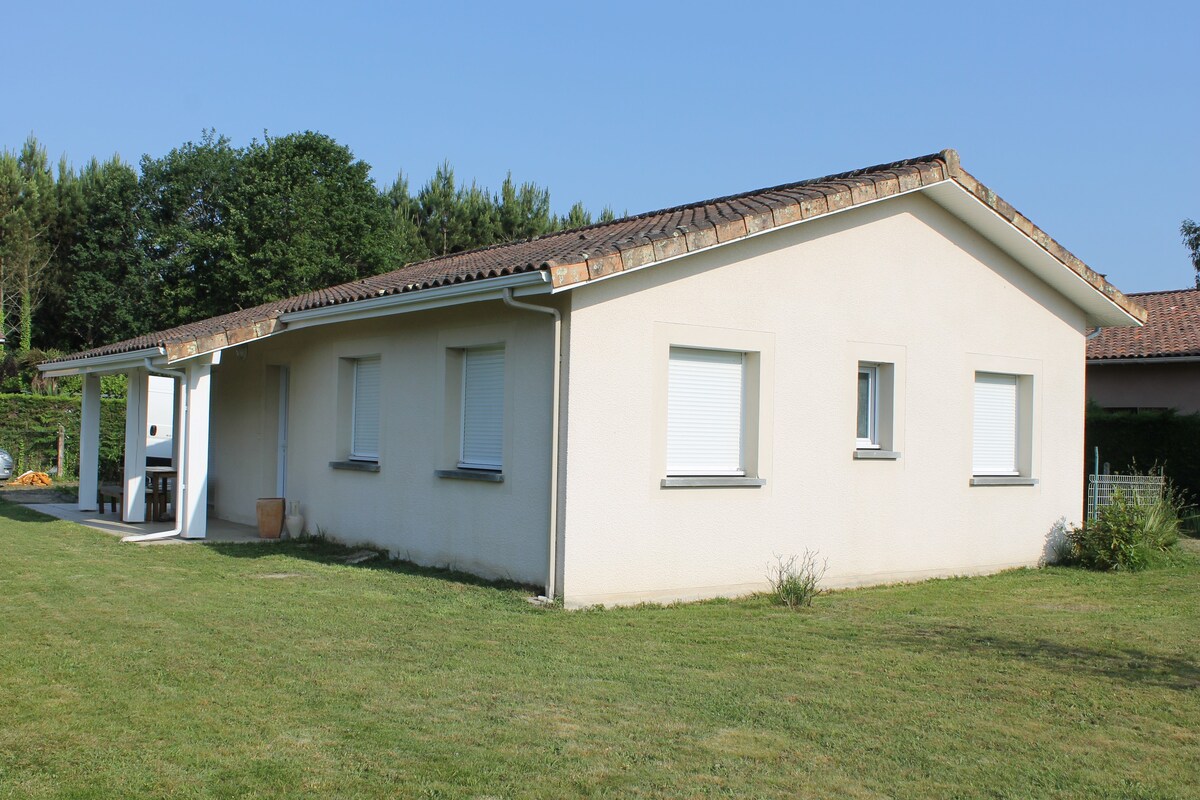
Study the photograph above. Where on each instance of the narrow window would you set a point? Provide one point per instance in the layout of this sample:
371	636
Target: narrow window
995	450
705	412
868	406
364	444
483	409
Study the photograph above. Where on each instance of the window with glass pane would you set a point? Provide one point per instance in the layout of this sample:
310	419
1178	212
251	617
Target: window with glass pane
868	392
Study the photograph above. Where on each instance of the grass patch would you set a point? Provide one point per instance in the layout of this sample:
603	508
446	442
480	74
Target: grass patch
198	671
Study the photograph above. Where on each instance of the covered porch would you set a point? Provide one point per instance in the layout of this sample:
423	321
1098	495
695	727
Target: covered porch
189	463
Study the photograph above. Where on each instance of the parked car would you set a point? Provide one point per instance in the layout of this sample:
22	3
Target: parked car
6	465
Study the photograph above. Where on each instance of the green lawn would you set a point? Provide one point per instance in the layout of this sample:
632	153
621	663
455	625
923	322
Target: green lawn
273	671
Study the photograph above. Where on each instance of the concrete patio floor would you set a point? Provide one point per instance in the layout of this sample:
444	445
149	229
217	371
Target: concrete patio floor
219	530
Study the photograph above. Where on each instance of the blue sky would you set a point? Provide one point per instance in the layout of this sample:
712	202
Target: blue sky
1082	115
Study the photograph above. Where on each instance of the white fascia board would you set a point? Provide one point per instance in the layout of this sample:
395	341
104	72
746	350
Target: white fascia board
523	284
1100	309
101	365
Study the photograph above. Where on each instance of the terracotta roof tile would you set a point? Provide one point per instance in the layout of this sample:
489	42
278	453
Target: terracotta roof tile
1172	329
574	256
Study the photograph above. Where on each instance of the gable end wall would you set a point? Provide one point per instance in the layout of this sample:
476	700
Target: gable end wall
902	280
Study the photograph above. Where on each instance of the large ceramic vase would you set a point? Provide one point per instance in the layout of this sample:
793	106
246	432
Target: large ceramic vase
270	517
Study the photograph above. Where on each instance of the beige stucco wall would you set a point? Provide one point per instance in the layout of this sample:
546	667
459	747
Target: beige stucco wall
1164	385
497	530
900	281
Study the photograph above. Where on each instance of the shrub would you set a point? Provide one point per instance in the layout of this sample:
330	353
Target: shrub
29	432
796	580
1126	534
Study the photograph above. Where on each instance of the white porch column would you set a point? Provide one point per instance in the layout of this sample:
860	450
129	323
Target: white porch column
89	443
194	470
135	446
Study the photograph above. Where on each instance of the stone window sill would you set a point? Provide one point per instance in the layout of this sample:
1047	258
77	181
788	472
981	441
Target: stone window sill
355	466
470	475
1003	480
717	480
876	455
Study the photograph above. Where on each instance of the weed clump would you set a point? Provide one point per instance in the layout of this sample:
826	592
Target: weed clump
796	580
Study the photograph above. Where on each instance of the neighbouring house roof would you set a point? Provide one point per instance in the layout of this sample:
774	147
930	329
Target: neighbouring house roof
1172	329
578	256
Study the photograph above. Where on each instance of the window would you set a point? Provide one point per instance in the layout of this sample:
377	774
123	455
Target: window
996	448
705	412
482	409
868	406
364	437
875	420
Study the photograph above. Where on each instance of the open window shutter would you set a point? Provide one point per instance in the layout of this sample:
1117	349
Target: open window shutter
366	409
704	412
483	408
995	434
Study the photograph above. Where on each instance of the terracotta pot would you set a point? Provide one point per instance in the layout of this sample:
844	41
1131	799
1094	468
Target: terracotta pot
270	517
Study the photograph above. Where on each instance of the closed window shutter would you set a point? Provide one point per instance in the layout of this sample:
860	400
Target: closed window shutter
365	444
995	434
483	408
704	412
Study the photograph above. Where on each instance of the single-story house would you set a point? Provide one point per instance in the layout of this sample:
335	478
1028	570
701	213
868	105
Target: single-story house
1154	367
885	367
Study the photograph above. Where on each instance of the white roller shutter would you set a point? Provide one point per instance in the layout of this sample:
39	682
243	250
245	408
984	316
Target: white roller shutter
365	440
995	435
704	412
483	408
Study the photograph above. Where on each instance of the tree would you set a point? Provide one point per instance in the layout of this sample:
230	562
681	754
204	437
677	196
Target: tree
304	215
27	216
1190	232
231	228
110	287
406	232
577	217
185	199
48	325
523	213
452	219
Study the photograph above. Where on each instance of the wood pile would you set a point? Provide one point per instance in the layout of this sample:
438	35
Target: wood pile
32	478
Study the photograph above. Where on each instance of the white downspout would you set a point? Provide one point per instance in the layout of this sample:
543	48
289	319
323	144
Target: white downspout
552	572
180	486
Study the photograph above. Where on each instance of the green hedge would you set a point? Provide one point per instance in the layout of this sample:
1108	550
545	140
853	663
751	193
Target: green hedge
29	432
1155	438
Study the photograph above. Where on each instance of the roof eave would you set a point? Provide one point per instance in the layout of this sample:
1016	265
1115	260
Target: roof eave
523	284
110	364
945	182
1159	359
1103	304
